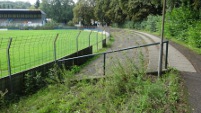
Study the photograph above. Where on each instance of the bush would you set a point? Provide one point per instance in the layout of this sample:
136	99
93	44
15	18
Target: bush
33	82
194	35
115	25
70	23
48	26
178	21
153	23
128	24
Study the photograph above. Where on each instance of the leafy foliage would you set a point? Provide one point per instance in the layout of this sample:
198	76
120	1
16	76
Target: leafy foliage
58	10
138	10
37	4
83	11
115	11
184	25
194	34
33	82
100	11
14	5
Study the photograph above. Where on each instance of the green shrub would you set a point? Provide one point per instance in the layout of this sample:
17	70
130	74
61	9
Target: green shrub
70	23
194	35
128	24
33	82
178	21
75	69
152	23
115	25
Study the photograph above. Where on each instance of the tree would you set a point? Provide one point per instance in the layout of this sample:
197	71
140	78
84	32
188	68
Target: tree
194	4
115	13
84	11
37	4
137	10
100	10
14	5
58	10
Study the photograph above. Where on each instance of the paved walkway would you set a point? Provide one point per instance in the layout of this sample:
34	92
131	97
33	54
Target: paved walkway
175	58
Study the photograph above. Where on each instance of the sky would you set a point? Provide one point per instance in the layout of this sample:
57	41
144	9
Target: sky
31	1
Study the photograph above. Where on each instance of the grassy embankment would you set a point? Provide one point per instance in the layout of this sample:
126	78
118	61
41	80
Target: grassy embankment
128	90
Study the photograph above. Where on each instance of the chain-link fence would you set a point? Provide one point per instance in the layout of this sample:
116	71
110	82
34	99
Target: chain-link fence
22	53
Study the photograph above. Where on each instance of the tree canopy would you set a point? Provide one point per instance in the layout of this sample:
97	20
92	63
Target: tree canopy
83	11
59	10
115	11
37	4
105	11
14	5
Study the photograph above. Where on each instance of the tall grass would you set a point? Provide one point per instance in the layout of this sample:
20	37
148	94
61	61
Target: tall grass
127	90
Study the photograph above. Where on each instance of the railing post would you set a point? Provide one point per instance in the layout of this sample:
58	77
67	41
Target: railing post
97	40
104	60
9	64
77	44
90	38
102	34
55	49
160	61
166	55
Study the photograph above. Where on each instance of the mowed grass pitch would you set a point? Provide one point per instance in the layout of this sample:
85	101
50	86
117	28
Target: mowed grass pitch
31	48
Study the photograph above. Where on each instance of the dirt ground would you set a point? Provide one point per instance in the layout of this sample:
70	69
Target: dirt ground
125	38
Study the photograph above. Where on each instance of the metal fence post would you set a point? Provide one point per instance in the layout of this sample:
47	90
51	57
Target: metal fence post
9	64
160	61
55	49
77	44
97	40
104	60
166	57
90	38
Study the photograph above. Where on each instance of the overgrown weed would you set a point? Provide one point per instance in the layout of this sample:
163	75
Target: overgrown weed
128	90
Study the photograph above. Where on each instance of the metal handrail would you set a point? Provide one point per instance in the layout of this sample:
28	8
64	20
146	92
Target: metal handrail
119	50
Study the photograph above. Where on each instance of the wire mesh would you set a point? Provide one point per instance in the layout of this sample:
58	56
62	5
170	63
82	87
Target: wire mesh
31	51
95	41
3	57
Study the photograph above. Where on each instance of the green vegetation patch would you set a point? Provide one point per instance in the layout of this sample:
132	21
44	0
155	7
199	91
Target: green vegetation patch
126	91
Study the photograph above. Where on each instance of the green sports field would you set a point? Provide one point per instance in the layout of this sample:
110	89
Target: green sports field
31	48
